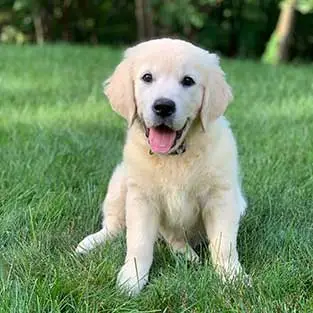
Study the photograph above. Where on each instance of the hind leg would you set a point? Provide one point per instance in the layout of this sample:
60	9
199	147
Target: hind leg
179	245
182	247
113	210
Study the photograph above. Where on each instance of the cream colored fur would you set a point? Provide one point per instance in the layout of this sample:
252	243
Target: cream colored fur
180	197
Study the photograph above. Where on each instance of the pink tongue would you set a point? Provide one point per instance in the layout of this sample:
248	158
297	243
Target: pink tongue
161	140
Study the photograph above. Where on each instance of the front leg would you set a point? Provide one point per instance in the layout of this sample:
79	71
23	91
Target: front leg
142	225
221	218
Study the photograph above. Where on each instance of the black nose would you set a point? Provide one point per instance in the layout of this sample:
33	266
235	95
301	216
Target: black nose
164	107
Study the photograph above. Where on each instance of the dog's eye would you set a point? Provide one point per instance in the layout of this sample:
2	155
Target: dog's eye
187	81
147	78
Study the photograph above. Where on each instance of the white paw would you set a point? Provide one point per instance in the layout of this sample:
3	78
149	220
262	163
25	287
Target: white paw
246	279
189	254
90	242
238	277
130	280
233	273
192	256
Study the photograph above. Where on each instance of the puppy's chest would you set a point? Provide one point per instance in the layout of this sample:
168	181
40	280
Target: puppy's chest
178	207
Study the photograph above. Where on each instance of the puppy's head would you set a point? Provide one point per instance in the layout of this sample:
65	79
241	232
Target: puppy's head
167	83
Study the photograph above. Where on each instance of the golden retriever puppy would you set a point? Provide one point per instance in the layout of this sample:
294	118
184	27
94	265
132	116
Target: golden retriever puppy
179	175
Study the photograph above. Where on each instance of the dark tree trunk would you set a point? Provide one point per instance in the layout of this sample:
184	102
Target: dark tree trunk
140	19
39	27
66	31
149	20
144	17
235	22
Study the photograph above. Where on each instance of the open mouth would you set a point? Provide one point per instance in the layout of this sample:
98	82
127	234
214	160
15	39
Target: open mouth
163	138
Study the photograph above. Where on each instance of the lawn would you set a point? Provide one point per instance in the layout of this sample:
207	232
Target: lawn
59	142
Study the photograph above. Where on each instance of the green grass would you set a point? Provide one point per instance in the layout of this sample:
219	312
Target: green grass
59	142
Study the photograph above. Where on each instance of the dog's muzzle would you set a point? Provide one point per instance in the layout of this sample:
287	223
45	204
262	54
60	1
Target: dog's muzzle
165	140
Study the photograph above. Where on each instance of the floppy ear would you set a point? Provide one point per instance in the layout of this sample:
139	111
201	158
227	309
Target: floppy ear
119	90
217	93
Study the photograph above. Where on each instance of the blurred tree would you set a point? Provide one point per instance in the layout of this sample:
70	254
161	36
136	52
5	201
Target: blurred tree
35	10
277	49
183	17
144	17
278	46
235	28
305	6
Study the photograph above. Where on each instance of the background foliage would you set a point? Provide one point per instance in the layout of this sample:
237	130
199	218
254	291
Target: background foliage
235	28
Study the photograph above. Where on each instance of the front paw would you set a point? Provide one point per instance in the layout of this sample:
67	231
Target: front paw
234	273
91	241
130	280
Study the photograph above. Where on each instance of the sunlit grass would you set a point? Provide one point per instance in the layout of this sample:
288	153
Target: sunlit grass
59	142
